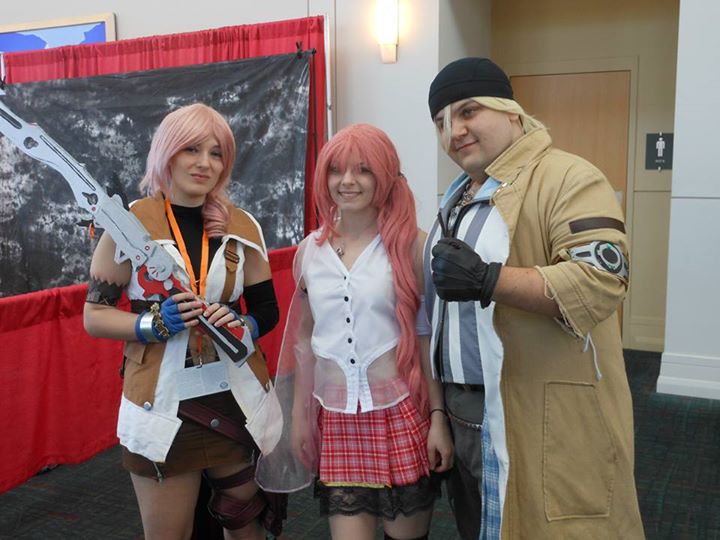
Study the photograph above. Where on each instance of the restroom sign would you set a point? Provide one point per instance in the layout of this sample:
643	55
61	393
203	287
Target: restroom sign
659	151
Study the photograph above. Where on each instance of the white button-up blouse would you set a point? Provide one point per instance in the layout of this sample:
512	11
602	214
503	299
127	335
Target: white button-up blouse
355	332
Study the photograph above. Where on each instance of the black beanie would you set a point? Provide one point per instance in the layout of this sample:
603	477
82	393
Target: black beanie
467	78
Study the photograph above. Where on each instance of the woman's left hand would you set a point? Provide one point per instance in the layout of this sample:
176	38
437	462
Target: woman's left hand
221	315
439	444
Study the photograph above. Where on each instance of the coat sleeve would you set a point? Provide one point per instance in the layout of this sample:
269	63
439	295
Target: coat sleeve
585	210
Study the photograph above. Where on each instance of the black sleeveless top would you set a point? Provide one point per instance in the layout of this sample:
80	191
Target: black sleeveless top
190	221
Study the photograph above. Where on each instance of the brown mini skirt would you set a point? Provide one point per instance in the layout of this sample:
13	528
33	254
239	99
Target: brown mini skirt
195	447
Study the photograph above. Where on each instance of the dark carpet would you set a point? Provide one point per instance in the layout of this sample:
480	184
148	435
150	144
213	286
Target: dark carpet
677	456
677	470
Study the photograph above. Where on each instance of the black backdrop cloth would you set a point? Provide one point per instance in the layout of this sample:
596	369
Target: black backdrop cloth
107	123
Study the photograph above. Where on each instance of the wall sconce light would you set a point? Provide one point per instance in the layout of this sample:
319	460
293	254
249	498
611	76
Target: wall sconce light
387	29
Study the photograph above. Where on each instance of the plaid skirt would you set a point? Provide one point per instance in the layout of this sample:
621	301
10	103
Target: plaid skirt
385	447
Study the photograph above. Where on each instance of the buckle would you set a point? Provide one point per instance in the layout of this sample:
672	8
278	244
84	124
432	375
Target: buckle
232	256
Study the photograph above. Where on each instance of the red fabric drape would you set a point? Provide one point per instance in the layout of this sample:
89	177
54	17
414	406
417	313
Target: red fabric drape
59	388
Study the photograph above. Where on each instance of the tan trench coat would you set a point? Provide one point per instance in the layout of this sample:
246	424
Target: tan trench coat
569	431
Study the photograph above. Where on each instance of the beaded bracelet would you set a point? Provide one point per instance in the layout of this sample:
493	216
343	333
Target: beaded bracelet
440	410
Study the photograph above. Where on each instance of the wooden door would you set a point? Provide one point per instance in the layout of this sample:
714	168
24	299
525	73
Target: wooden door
587	114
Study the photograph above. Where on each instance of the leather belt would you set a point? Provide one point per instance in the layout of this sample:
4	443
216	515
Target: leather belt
138	306
223	424
469	387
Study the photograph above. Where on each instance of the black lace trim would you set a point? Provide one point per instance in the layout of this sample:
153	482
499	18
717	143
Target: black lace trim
383	502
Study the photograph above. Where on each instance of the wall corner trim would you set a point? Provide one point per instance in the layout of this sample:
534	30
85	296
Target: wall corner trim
689	375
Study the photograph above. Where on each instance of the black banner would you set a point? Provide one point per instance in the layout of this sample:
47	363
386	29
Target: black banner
107	123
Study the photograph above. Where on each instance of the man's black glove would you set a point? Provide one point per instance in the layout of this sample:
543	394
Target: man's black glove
460	275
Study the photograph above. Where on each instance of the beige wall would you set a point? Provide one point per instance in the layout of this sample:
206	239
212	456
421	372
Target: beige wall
691	360
642	35
464	31
391	96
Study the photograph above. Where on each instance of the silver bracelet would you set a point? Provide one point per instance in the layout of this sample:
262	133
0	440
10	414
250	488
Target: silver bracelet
145	325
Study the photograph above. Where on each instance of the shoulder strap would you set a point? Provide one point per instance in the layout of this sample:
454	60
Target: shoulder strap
258	365
256	362
231	263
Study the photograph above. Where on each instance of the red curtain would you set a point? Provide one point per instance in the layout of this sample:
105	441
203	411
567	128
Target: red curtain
59	388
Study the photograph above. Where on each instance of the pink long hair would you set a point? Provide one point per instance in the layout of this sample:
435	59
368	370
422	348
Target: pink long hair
397	225
185	127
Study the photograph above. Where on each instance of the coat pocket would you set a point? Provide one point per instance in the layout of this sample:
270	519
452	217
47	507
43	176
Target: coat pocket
147	433
579	456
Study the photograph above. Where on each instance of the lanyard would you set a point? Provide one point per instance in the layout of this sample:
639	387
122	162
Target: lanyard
198	287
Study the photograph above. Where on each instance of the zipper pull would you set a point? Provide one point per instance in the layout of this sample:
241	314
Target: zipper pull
443	226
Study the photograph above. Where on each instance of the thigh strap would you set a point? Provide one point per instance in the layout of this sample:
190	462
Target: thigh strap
239	478
232	513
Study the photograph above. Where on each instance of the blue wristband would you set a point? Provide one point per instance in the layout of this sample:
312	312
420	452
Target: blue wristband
138	333
254	330
145	328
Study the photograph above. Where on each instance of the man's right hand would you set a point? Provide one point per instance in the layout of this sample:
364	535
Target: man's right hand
460	275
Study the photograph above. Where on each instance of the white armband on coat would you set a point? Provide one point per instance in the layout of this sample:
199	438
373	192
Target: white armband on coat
603	255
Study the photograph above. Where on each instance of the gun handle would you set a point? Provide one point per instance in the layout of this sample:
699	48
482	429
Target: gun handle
226	340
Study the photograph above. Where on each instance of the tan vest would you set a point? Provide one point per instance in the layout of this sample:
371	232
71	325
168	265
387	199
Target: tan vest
142	362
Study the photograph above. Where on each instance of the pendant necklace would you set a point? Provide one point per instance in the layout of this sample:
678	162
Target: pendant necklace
340	249
467	196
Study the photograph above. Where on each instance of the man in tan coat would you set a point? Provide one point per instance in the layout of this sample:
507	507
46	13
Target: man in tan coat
526	266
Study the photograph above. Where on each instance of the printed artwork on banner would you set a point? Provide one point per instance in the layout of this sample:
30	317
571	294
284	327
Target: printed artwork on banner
107	123
47	34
